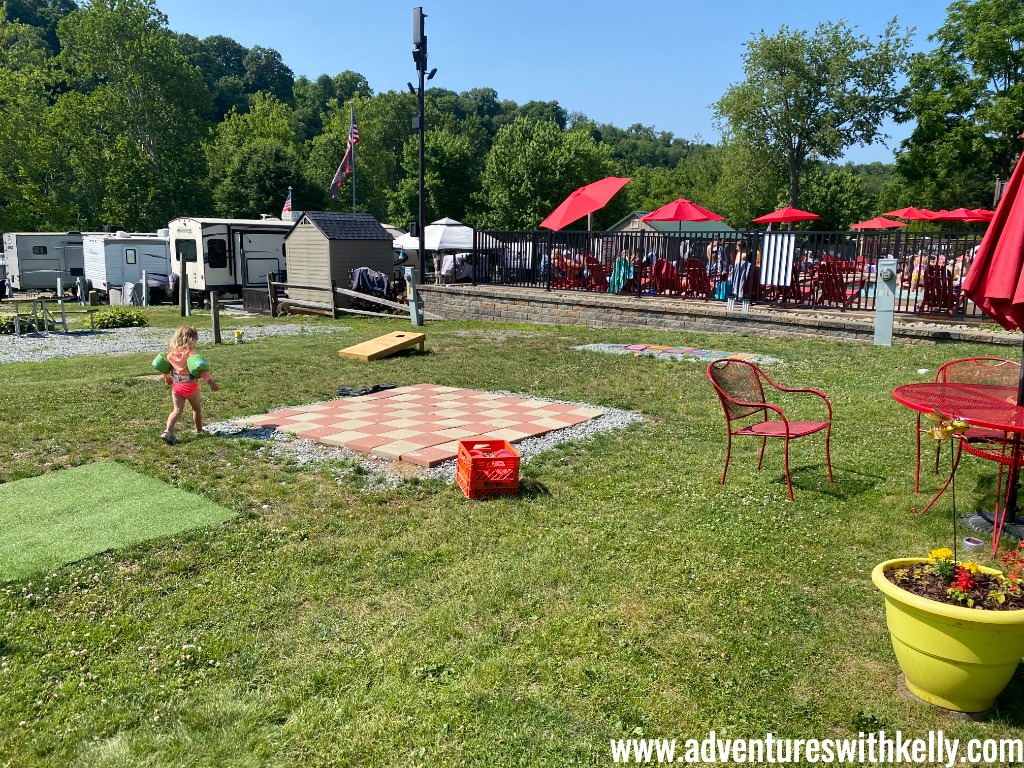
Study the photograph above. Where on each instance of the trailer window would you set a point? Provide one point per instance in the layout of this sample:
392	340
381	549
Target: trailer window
129	255
39	250
185	249
218	254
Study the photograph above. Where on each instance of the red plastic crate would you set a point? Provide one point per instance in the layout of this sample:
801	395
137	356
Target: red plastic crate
486	474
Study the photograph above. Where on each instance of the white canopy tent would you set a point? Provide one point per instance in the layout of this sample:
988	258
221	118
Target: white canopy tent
441	235
444	235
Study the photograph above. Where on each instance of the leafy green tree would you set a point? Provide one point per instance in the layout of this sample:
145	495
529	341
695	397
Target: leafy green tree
543	111
384	127
27	191
532	167
45	15
254	157
221	61
131	129
749	182
837	195
812	95
641	145
265	72
452	176
966	98
313	96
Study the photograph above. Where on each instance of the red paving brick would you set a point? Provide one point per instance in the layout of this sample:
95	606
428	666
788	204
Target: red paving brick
424	422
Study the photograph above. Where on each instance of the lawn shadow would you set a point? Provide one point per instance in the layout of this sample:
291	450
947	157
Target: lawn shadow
1010	704
849	483
532	489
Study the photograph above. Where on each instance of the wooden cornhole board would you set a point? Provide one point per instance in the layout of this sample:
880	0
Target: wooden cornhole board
382	346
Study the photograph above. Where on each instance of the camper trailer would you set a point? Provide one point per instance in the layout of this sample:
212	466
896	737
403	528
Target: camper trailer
227	255
35	260
111	260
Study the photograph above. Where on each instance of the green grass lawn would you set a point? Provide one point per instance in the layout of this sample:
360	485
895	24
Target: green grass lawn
626	592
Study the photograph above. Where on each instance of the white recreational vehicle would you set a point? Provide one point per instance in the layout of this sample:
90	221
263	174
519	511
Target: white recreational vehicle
36	259
111	260
228	255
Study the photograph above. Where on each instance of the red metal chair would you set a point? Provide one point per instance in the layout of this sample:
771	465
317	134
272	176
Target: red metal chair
991	371
739	387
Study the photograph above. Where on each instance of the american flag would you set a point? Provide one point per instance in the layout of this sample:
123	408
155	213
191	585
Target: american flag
287	204
353	131
346	162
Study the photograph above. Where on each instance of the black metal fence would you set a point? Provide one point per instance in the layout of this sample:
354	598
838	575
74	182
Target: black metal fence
812	269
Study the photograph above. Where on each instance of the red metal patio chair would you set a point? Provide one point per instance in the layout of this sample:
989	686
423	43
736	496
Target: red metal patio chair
739	386
991	371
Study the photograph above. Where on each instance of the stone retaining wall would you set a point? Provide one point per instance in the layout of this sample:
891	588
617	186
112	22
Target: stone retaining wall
525	305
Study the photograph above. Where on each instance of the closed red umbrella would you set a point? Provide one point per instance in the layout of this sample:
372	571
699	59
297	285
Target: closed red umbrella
785	216
995	282
583	202
878	223
912	214
682	210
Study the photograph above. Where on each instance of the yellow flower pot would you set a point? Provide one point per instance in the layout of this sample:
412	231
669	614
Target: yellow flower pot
951	656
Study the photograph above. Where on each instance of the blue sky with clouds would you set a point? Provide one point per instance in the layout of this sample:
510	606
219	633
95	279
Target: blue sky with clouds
655	62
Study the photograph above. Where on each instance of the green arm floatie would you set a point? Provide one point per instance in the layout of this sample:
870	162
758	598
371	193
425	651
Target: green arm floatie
197	364
161	363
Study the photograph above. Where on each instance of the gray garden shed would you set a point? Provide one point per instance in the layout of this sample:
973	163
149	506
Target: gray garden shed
324	246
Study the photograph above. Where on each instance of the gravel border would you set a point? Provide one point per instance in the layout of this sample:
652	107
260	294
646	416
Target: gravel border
38	347
664	354
387	474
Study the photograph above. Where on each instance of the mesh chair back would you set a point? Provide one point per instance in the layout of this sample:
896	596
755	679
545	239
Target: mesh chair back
979	370
737	380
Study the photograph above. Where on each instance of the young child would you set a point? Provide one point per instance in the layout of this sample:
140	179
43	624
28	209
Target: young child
184	384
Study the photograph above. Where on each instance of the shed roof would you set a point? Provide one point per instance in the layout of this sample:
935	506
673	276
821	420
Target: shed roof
348	226
672	227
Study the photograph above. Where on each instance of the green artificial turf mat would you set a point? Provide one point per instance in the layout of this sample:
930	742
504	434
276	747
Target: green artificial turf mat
64	516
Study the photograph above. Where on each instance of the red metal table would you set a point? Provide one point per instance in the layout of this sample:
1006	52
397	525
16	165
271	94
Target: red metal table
980	405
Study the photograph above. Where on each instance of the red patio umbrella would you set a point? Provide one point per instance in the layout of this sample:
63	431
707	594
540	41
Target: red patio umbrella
682	210
785	216
912	214
583	202
983	214
995	282
957	214
878	223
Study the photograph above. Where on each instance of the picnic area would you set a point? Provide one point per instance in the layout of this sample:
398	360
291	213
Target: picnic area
326	619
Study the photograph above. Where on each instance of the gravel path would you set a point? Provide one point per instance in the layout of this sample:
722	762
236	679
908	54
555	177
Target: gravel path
705	356
36	347
385	474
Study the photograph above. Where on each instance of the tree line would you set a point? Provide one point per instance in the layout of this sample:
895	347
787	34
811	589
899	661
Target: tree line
111	117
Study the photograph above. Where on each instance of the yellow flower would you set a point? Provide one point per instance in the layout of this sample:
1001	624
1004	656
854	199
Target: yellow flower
970	567
943	553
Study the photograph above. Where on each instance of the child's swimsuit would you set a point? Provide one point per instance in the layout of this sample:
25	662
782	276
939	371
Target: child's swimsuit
183	382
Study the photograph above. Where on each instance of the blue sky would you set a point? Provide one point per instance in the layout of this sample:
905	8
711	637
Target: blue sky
655	62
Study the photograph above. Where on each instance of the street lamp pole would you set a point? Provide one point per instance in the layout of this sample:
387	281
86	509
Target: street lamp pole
419	55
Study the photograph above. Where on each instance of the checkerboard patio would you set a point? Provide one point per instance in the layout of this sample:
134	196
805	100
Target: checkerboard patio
423	423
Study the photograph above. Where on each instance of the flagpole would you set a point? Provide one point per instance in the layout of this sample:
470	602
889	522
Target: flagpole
353	122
